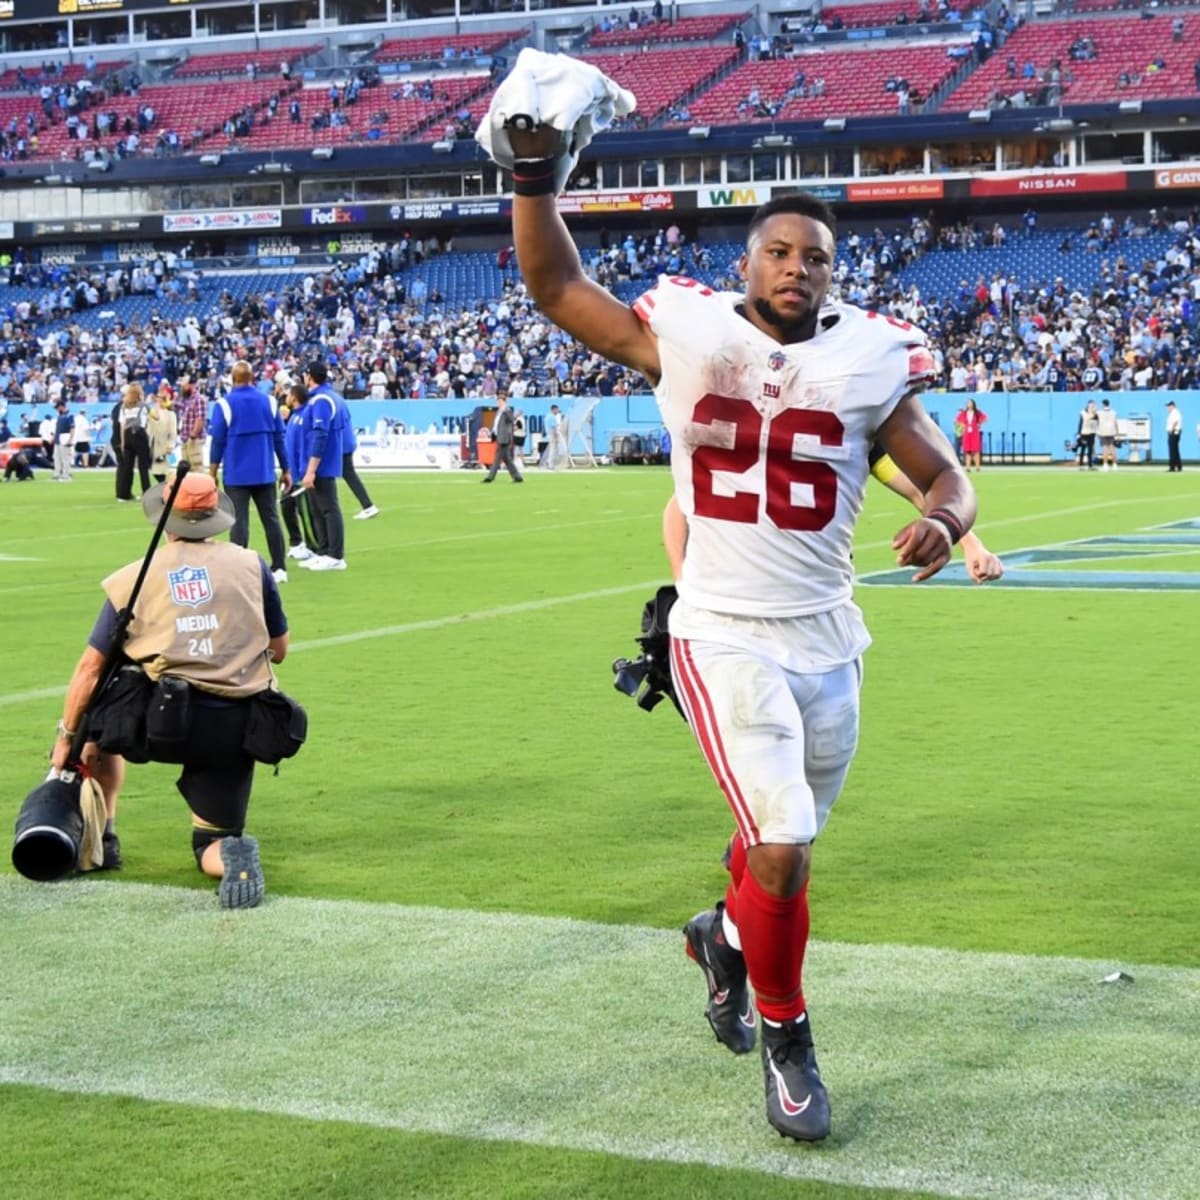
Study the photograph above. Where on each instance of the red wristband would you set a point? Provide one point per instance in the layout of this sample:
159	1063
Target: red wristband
533	177
952	525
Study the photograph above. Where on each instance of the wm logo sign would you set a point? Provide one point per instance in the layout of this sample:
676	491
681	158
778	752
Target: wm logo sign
743	197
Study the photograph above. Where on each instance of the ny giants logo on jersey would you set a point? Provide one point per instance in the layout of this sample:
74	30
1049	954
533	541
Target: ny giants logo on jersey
920	363
190	586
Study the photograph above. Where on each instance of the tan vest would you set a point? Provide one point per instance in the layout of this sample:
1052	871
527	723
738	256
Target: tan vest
199	616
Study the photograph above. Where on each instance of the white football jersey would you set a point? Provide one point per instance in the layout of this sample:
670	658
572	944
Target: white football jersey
770	442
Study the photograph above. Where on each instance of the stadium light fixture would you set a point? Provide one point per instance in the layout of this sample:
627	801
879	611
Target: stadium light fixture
699	132
981	116
1130	106
443	146
835	124
210	160
322	152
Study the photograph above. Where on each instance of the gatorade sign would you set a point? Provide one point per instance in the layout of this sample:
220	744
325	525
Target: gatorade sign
1177	177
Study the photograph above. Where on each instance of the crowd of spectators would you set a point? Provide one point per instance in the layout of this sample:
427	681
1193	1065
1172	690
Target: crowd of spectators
386	333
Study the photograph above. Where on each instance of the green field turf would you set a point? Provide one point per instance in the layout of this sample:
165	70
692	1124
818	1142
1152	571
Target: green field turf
401	1019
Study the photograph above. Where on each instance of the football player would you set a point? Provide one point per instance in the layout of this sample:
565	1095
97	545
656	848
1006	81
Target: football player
773	398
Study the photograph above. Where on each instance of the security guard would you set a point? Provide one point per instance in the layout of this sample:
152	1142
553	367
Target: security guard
206	626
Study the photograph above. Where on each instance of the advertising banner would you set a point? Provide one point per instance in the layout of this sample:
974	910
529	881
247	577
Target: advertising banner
438	210
831	193
222	220
1059	182
598	202
896	189
1177	177
746	196
336	214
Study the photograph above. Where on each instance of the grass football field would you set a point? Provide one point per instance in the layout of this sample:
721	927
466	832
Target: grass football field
468	980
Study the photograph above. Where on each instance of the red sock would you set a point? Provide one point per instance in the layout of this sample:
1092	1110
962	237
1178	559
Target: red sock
737	868
774	933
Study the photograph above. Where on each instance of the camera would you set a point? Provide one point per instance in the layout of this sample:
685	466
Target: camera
629	674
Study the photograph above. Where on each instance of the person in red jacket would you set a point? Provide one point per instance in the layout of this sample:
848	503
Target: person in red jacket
971	420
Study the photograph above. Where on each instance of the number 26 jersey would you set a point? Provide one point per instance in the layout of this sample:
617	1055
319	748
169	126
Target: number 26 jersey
770	443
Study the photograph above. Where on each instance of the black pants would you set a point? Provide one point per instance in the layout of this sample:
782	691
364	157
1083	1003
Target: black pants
1174	459
135	452
217	773
1087	449
324	501
355	484
263	495
504	458
302	527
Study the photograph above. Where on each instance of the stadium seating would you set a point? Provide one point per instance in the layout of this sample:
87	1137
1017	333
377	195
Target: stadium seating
64	73
1122	43
464	45
685	29
660	78
195	112
878	13
406	119
234	63
854	84
1035	260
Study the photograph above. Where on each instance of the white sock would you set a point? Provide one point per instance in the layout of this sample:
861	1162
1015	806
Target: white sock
732	937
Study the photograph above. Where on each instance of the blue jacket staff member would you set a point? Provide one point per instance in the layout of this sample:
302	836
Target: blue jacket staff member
350	474
208	614
324	424
247	437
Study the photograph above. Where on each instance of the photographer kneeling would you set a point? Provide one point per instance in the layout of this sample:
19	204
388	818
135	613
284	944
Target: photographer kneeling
205	628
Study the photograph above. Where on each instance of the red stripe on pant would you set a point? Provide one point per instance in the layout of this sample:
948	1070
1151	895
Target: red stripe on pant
702	718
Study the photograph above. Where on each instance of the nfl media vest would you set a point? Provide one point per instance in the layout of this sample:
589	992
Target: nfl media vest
199	617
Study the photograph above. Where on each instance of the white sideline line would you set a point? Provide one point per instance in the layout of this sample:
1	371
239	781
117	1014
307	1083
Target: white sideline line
487	614
964	1075
385	631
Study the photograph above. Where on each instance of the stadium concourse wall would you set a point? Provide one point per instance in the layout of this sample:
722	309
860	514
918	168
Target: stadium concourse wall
1021	426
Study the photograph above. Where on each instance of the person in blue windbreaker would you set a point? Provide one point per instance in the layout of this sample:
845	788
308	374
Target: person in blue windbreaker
306	534
325	417
349	474
247	441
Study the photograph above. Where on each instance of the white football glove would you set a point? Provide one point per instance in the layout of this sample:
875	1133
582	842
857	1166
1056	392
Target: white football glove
552	89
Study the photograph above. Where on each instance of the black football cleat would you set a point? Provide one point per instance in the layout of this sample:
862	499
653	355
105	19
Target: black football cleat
797	1102
729	1010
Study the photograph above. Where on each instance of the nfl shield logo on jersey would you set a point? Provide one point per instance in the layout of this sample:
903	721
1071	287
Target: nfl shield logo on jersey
190	585
776	359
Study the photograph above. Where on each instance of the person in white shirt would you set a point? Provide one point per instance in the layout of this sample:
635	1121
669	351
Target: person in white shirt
377	382
1106	430
773	399
1174	433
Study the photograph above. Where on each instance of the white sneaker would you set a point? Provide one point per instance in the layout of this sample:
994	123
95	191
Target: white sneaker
300	553
367	513
324	563
280	576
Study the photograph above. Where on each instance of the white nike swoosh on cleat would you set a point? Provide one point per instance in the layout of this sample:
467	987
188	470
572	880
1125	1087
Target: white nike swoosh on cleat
747	1018
720	997
789	1106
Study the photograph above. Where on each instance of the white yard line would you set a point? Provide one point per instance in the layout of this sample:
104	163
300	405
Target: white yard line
385	631
965	1075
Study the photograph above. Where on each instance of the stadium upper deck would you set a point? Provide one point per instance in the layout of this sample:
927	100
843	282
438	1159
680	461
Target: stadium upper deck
723	68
